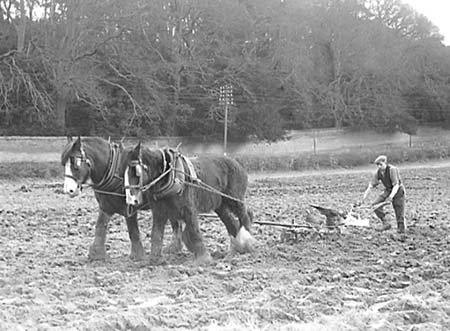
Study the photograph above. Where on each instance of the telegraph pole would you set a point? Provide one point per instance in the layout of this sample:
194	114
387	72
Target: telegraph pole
226	99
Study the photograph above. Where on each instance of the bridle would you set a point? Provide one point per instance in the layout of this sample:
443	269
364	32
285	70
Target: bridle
139	168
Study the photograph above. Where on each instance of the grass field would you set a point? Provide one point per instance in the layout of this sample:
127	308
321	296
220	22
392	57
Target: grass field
39	156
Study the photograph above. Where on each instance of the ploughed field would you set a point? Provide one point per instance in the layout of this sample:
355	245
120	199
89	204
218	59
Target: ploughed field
312	280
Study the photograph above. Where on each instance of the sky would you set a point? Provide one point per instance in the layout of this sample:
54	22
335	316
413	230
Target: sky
437	11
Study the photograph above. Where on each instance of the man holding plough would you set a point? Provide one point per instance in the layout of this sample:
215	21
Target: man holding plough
394	193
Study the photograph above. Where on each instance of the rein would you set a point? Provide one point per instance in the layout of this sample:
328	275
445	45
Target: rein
145	188
155	181
108	192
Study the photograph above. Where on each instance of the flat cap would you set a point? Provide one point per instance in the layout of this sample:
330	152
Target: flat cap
381	158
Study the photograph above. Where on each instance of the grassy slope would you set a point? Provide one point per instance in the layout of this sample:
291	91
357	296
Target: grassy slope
254	163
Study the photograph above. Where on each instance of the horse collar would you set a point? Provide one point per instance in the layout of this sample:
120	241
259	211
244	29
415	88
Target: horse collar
173	166
107	181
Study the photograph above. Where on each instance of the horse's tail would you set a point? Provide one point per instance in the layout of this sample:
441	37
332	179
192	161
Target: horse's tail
235	189
237	179
237	186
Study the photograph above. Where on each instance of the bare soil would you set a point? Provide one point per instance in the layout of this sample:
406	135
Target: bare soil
359	279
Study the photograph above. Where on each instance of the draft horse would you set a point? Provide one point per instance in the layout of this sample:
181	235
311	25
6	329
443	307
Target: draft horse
96	162
179	188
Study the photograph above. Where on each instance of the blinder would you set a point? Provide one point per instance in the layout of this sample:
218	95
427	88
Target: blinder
77	162
138	168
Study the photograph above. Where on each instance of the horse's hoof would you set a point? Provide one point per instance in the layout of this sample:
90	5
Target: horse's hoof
157	260
231	255
97	253
175	247
137	253
203	260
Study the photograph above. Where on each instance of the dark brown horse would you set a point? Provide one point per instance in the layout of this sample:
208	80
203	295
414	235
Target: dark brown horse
98	163
179	188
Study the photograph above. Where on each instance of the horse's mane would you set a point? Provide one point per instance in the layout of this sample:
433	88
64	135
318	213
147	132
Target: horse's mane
151	156
68	149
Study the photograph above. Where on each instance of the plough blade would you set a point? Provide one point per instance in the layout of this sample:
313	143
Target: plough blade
353	219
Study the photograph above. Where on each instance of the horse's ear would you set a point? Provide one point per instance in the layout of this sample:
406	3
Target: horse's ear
77	143
69	139
137	149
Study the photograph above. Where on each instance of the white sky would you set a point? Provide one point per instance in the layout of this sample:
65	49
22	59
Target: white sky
437	11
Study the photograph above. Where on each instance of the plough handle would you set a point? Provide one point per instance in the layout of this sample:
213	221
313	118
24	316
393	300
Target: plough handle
375	207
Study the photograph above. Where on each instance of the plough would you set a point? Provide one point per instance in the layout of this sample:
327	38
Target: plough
334	218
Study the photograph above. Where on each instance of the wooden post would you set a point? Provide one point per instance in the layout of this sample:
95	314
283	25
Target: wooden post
315	143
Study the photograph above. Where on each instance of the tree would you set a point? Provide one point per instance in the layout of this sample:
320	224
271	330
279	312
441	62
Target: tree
121	67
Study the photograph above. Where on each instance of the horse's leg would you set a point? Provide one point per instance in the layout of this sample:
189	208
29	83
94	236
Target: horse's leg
97	250
245	215
137	250
243	242
159	222
193	240
176	244
228	219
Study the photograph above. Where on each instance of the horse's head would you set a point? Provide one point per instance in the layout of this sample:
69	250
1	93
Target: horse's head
135	176
77	167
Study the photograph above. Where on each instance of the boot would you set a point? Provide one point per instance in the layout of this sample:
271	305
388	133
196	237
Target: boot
386	226
401	228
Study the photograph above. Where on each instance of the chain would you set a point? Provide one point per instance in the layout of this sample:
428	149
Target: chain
201	185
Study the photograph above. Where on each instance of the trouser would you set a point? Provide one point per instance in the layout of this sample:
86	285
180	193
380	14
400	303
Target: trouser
398	203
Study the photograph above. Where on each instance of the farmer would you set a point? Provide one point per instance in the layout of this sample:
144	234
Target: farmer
394	192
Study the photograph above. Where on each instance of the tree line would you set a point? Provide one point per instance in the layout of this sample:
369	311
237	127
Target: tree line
158	68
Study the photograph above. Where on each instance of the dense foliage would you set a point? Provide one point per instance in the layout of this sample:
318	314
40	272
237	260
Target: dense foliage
150	68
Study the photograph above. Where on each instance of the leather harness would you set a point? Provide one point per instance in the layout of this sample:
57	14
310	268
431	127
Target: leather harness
182	170
177	169
111	181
